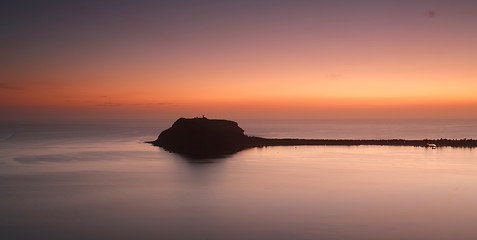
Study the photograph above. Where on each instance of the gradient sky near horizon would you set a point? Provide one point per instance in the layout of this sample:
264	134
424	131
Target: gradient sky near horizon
238	59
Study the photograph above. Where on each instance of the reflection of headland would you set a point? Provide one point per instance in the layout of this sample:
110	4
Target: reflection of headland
202	139
202	158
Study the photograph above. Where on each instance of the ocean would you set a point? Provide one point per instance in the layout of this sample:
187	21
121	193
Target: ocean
99	180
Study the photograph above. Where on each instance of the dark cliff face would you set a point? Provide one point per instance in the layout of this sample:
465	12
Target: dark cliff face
202	136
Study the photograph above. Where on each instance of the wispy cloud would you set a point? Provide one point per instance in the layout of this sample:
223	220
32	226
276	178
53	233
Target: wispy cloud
109	104
152	103
333	76
112	104
7	86
77	101
430	14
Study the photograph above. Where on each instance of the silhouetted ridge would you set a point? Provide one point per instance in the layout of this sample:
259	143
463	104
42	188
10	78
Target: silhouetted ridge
208	137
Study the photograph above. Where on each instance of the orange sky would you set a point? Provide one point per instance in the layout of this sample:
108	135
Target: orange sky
376	59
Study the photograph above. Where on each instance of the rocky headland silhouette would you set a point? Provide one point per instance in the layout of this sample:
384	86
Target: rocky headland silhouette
203	137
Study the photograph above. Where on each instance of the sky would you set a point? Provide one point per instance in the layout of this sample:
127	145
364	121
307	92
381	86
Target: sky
238	59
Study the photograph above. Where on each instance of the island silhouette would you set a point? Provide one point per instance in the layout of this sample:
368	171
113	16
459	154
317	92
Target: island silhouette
203	137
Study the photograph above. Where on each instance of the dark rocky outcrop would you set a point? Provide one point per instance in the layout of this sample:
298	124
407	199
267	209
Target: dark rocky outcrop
202	137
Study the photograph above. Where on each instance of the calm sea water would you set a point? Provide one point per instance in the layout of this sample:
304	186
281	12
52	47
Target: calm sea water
100	181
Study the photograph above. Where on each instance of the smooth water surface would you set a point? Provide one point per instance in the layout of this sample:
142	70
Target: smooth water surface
100	181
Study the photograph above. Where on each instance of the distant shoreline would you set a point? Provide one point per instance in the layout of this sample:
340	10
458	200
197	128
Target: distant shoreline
258	142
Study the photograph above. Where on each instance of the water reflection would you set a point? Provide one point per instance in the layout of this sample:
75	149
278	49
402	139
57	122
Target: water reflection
193	159
104	188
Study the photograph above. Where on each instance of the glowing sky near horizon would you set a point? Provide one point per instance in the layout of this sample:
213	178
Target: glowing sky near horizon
238	59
